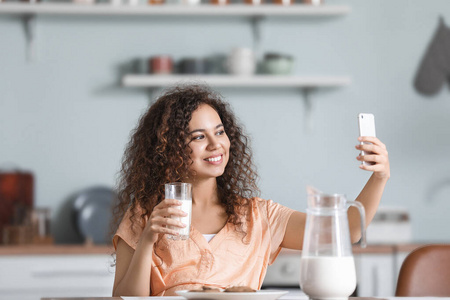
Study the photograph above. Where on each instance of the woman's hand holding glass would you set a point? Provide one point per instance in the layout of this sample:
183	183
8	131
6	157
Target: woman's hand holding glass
160	220
376	155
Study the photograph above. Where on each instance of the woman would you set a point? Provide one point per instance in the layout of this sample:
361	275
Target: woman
190	135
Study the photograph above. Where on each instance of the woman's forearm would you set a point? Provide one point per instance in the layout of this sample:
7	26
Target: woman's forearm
136	281
369	197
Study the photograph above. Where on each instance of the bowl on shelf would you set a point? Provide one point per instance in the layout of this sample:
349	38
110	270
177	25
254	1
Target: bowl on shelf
277	64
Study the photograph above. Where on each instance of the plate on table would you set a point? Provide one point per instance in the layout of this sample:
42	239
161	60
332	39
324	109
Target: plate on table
258	295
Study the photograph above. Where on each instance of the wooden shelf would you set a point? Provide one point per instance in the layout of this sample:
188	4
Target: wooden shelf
173	10
261	81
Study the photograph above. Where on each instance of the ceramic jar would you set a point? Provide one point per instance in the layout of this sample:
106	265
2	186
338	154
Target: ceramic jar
241	61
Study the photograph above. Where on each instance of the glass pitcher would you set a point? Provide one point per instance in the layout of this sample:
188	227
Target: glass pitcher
327	268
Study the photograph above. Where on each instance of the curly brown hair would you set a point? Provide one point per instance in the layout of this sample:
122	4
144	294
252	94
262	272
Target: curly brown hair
158	153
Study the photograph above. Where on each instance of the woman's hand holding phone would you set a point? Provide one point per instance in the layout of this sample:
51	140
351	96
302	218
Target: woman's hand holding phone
376	154
373	155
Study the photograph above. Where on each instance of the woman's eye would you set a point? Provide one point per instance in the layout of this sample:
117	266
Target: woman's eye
220	132
198	137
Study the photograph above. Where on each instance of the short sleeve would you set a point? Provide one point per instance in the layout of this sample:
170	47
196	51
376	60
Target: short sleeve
278	217
128	231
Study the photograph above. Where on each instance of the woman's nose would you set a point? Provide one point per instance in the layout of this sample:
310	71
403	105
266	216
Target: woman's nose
213	143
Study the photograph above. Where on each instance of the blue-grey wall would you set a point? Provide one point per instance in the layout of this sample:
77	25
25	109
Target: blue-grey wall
66	118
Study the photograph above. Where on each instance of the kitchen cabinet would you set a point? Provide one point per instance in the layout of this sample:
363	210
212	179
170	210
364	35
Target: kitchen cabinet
375	274
30	276
378	266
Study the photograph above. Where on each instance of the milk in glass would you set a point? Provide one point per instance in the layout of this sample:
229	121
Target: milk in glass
182	192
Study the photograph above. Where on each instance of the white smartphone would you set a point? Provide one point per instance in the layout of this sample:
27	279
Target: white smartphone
366	124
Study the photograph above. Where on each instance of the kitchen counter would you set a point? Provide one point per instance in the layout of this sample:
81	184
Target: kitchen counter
108	249
55	249
372	249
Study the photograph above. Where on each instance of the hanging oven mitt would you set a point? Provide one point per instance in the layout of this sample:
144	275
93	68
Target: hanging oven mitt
435	66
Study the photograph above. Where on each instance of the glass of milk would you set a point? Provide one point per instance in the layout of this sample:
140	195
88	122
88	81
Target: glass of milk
182	192
327	269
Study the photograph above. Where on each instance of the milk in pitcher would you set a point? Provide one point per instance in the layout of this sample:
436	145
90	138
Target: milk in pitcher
328	277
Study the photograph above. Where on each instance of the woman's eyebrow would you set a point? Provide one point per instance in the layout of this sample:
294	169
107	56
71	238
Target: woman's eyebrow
203	130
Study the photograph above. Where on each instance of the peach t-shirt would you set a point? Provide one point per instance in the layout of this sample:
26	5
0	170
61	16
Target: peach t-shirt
225	261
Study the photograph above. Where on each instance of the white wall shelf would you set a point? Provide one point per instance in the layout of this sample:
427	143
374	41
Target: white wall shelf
261	81
172	10
29	11
305	84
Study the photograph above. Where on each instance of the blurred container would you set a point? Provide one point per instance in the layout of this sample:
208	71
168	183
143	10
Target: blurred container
132	2
30	226
241	61
220	2
161	64
192	66
191	2
216	64
16	197
253	2
17	235
277	64
138	66
312	2
156	2
83	1
40	224
283	2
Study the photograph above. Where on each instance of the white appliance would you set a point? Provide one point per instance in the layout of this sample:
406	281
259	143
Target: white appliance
390	225
285	271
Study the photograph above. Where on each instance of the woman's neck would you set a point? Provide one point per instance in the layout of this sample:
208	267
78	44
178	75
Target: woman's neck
204	193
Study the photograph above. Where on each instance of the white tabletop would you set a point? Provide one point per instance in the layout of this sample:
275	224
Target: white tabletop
288	297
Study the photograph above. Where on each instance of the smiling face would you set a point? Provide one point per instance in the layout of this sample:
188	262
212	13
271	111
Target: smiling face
209	143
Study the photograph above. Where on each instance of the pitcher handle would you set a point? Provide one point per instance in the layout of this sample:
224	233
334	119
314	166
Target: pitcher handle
362	214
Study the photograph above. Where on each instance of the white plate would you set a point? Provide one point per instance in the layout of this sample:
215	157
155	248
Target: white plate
258	295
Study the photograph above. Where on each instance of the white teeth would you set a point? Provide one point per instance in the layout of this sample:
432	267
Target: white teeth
214	158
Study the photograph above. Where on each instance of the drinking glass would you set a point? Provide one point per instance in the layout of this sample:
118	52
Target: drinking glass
182	192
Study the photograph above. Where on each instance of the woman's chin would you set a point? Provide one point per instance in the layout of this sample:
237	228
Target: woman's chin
211	175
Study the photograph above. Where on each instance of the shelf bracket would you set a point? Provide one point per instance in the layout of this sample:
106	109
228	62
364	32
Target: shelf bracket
306	92
256	32
152	93
29	25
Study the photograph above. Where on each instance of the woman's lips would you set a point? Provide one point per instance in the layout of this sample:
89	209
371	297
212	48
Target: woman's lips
214	160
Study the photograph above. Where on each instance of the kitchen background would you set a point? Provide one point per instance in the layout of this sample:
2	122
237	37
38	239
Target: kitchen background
66	118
